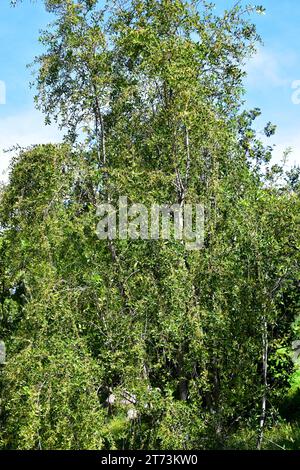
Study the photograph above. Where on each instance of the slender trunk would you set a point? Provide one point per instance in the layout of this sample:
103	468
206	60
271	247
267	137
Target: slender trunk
265	382
100	129
101	144
188	157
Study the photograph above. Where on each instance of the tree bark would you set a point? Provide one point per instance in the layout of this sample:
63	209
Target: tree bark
265	382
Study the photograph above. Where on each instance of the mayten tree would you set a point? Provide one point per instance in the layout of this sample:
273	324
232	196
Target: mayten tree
142	343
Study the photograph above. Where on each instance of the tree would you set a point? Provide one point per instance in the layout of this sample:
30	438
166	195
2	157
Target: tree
161	346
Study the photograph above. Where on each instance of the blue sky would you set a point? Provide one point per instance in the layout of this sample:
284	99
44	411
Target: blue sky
271	74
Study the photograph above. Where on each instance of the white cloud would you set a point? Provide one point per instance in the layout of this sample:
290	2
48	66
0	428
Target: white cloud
269	69
282	144
23	129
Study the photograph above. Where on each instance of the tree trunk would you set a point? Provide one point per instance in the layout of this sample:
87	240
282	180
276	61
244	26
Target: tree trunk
265	382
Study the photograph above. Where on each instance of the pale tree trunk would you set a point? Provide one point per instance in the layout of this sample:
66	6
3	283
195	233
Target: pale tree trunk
101	146
265	381
188	157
